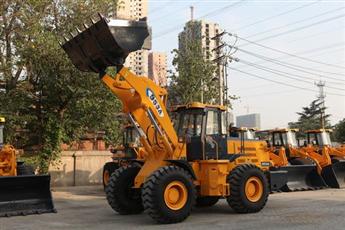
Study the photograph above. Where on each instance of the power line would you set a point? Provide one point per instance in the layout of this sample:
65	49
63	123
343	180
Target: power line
296	22
170	30
341	44
291	66
175	10
286	74
289	54
277	82
269	93
300	28
276	15
281	83
158	8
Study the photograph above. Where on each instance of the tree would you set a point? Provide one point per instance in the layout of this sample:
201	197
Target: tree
339	131
194	76
310	117
42	94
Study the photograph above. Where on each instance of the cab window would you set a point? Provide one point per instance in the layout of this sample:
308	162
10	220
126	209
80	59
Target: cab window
277	139
190	124
212	126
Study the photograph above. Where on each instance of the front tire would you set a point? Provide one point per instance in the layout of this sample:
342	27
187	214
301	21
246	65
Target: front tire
249	189
169	194
121	195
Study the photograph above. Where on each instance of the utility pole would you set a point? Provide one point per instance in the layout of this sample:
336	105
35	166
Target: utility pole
222	61
321	97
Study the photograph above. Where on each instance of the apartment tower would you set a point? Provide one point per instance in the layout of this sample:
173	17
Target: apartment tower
134	10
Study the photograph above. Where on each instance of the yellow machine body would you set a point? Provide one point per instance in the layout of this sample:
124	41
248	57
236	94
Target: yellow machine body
8	162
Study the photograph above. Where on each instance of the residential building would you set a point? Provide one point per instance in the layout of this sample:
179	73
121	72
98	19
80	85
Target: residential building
205	32
134	10
158	68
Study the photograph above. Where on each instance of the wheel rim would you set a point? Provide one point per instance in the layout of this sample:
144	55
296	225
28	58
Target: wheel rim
106	177
175	195
254	189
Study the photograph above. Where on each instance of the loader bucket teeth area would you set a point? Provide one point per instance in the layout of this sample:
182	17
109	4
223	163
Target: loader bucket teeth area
334	175
303	177
24	195
106	43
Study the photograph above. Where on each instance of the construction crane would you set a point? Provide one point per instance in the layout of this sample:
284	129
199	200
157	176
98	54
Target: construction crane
196	162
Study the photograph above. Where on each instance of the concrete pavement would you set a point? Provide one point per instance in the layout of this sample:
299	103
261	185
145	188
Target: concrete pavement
86	208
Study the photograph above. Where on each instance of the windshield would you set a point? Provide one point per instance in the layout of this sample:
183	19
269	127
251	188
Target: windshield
249	135
323	138
290	139
189	124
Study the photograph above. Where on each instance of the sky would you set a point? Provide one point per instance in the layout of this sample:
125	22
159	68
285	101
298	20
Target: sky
270	82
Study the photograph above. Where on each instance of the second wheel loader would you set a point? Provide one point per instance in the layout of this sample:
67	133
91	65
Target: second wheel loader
21	191
129	150
320	140
197	161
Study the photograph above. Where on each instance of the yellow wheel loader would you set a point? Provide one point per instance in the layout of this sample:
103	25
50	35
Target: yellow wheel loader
129	150
299	176
312	169
320	141
197	161
21	192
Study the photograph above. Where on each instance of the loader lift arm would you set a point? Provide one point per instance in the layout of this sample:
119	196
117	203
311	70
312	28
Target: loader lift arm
144	102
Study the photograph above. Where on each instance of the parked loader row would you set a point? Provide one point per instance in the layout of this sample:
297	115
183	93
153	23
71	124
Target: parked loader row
318	164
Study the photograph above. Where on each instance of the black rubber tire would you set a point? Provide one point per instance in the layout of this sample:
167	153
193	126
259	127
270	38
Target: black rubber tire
153	194
23	169
206	201
109	167
300	161
121	197
237	180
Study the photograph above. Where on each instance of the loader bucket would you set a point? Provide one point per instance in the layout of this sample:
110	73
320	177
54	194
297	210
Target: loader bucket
334	175
302	177
106	43
24	195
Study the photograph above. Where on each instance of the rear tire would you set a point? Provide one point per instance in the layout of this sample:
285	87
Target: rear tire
249	189
206	201
169	194
121	195
108	169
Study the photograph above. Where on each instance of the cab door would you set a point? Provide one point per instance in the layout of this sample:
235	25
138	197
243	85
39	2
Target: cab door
215	137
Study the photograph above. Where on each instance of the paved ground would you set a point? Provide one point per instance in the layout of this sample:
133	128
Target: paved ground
86	208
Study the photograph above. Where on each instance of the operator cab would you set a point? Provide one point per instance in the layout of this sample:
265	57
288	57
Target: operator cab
203	128
284	138
319	137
